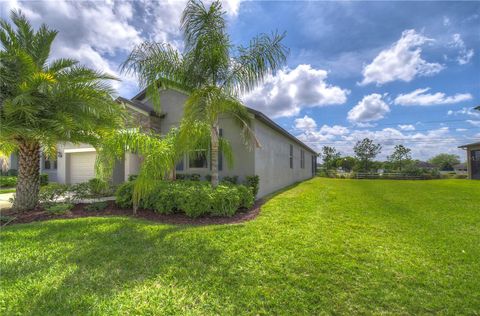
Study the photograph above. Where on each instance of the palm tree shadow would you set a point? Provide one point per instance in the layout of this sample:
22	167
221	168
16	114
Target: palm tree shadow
104	262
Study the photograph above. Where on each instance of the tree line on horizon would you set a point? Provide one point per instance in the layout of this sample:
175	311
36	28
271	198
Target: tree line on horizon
400	160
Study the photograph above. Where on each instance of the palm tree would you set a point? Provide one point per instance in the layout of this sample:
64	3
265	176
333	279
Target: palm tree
211	70
477	108
43	103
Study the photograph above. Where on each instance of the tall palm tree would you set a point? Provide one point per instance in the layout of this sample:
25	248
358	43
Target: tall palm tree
211	70
43	103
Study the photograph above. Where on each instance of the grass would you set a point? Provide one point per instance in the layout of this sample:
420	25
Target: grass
326	246
9	190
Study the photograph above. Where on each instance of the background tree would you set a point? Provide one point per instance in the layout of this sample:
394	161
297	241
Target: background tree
346	163
400	156
445	162
365	151
44	103
477	108
211	70
329	157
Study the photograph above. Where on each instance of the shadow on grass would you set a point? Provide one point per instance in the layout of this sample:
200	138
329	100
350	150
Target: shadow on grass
93	260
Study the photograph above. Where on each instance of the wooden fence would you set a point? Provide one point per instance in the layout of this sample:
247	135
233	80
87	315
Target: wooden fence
393	176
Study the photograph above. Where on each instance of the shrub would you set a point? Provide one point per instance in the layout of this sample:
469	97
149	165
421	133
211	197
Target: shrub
132	177
98	187
43	179
253	184
246	196
194	199
124	194
6	218
195	177
52	192
225	200
8	181
80	191
58	208
96	206
180	176
232	179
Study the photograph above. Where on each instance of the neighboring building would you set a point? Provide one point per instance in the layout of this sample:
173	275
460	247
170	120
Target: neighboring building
473	160
460	168
281	160
425	165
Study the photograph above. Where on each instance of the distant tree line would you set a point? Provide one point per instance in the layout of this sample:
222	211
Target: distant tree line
400	160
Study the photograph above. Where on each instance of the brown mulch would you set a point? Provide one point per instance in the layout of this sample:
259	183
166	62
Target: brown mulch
113	210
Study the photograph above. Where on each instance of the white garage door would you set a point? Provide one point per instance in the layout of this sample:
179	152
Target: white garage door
82	167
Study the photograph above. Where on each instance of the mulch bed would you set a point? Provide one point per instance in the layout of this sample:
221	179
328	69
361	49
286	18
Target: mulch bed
113	210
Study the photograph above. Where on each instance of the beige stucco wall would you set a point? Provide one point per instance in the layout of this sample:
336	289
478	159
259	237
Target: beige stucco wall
272	160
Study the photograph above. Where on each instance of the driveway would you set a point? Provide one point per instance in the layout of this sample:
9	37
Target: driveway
4	203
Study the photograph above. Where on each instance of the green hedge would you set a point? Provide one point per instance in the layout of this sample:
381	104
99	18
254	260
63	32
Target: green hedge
8	181
194	198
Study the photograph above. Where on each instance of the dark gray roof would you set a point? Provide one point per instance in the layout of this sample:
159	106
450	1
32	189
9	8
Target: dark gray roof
265	119
460	166
468	145
259	115
142	106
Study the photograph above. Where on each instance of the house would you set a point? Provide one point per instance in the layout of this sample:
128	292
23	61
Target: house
281	160
460	169
473	159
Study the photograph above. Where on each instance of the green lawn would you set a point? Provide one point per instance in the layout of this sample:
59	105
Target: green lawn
325	246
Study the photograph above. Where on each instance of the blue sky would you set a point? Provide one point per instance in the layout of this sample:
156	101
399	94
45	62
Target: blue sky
397	72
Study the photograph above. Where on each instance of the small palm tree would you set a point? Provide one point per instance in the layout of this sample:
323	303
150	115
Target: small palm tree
210	70
43	103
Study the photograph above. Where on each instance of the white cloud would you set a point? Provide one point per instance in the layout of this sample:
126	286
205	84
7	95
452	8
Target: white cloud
290	90
461	129
424	145
419	97
323	134
465	111
370	108
305	124
464	54
402	61
474	123
407	127
101	33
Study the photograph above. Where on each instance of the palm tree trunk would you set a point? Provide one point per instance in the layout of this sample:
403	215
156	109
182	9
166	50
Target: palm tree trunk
28	183
214	154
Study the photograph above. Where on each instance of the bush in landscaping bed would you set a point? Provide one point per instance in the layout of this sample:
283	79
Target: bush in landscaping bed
43	179
96	206
253	182
52	192
124	195
8	181
194	198
58	208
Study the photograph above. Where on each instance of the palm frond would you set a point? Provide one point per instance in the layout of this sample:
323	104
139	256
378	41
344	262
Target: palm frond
264	55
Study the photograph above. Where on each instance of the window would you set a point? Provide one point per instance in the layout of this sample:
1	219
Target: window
302	159
55	164
291	156
46	164
198	159
179	166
